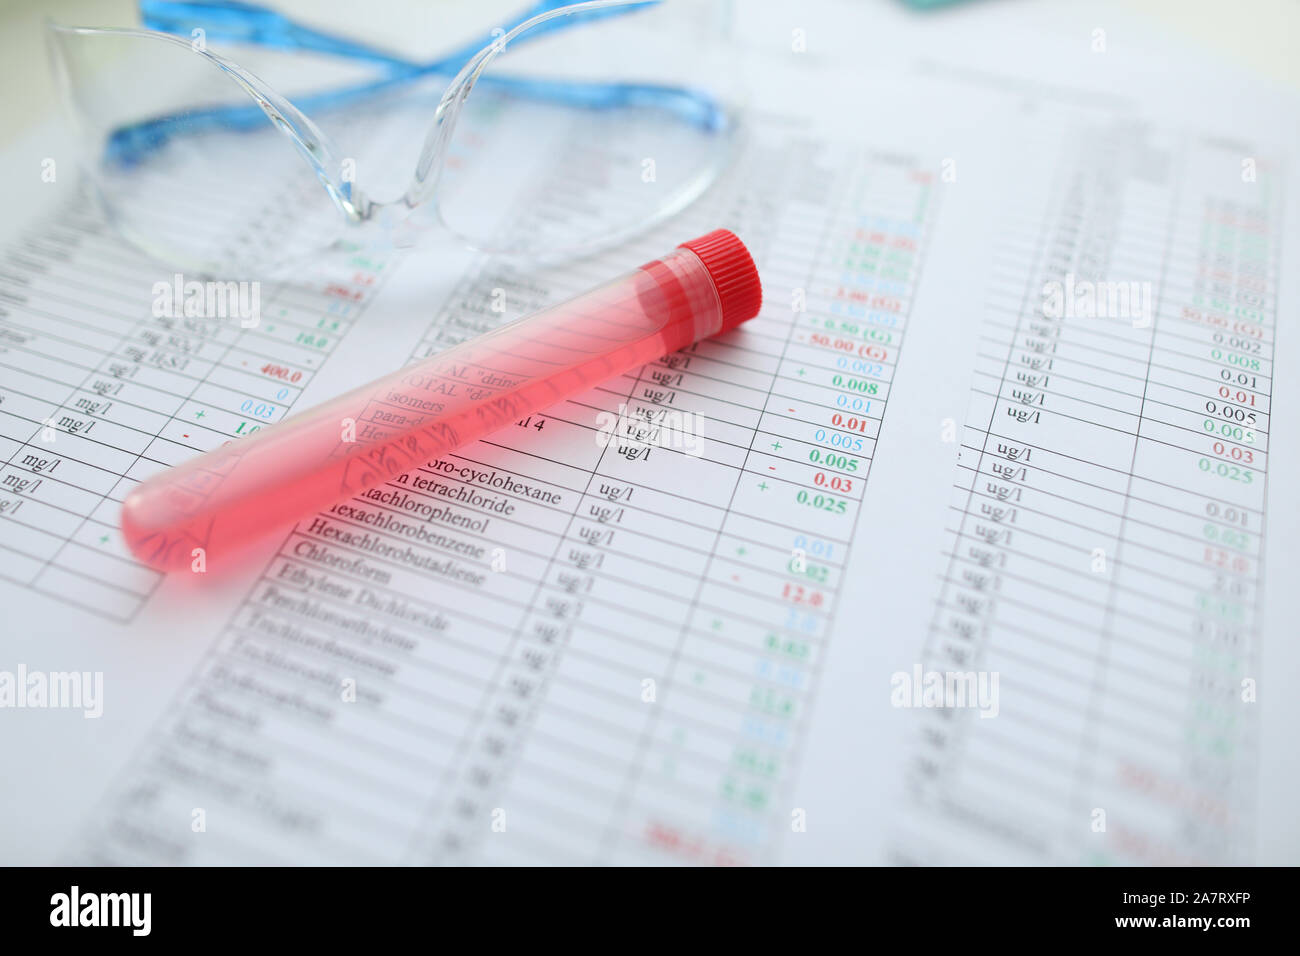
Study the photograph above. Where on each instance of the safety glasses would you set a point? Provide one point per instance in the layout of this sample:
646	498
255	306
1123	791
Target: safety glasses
572	139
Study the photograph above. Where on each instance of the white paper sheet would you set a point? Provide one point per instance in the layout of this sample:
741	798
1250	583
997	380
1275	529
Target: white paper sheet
688	651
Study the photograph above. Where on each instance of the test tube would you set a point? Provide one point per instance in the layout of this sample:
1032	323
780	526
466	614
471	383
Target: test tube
208	509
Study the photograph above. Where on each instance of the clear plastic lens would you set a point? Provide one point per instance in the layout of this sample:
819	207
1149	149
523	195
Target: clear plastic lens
580	136
578	132
189	165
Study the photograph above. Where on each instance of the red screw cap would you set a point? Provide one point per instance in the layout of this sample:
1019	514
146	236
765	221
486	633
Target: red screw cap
732	270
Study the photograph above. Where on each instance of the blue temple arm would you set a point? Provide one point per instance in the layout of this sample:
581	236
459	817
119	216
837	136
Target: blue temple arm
235	21
128	145
238	22
231	21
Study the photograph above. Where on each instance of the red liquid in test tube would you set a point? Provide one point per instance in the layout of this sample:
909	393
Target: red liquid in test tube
226	499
